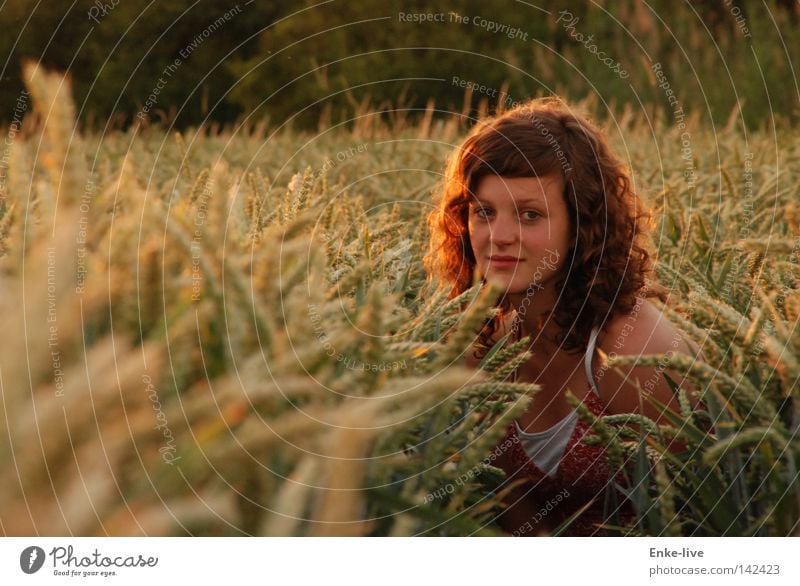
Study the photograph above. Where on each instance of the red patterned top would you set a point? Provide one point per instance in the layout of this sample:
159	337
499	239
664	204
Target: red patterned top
582	474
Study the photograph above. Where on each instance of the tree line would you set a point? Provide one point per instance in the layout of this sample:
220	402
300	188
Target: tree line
310	62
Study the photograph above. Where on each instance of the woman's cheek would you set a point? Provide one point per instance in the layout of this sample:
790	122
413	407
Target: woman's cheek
476	242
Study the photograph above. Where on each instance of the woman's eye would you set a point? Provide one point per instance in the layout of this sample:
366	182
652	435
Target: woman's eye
486	212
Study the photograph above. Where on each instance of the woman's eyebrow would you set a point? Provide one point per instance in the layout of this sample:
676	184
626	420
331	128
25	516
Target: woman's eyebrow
519	201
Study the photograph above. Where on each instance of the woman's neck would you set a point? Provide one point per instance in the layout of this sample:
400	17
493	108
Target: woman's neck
534	316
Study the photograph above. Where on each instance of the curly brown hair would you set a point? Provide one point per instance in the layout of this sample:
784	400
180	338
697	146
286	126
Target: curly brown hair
609	266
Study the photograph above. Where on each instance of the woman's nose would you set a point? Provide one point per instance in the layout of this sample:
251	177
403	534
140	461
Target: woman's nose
505	230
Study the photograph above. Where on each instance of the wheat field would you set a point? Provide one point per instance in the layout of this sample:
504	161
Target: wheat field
230	331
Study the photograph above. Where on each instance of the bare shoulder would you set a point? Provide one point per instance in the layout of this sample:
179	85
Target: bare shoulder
645	330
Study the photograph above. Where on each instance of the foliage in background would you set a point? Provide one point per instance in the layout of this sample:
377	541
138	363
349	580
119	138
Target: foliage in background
226	334
302	62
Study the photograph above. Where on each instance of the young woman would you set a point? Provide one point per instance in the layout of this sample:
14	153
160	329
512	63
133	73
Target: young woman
535	200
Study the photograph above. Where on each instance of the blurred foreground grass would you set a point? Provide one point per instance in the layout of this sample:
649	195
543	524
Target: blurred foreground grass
230	332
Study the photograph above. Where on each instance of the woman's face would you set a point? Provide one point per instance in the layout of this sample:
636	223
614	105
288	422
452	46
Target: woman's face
520	232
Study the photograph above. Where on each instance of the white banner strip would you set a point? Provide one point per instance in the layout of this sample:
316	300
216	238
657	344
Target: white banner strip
400	561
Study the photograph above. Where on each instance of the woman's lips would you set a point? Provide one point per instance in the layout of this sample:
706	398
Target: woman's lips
504	263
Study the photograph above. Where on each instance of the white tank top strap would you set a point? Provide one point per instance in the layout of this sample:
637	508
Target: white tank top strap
590	347
546	448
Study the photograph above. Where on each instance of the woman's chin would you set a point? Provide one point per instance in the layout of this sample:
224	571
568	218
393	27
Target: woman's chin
507	282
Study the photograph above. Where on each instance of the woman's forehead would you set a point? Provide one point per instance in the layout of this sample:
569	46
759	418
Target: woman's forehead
519	189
